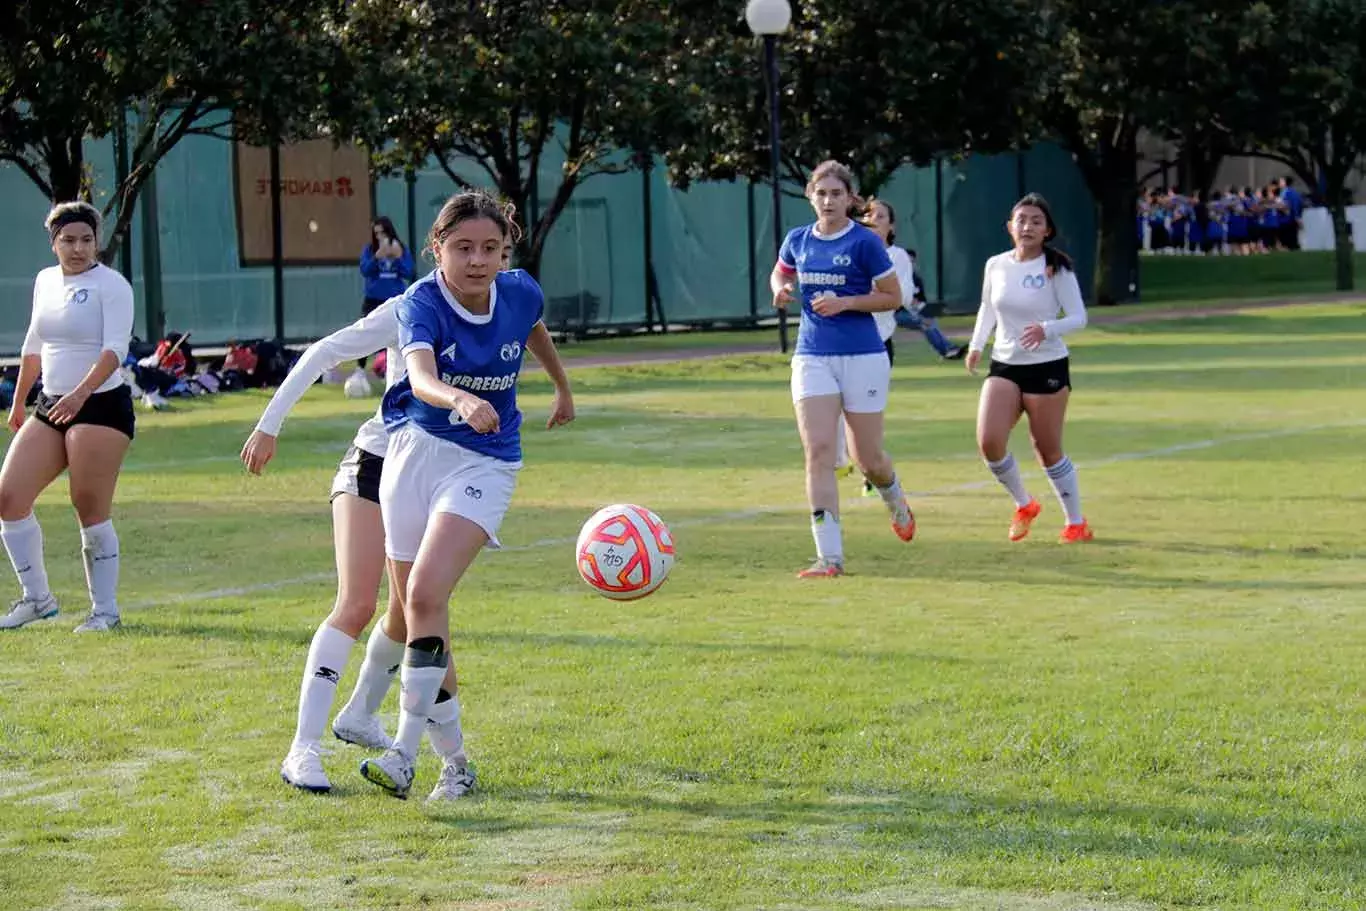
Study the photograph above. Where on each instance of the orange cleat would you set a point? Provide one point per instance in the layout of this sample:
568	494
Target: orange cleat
1024	517
903	521
822	569
1073	534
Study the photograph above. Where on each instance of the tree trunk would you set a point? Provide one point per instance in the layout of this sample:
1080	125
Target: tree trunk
1116	279
65	160
1342	243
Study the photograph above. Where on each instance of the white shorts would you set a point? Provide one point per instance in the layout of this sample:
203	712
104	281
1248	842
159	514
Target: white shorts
424	476
861	380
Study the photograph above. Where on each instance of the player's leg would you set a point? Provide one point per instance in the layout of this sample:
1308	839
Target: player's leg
816	400
94	455
1047	415
34	460
998	410
864	384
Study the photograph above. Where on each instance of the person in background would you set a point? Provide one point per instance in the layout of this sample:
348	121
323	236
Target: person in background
387	267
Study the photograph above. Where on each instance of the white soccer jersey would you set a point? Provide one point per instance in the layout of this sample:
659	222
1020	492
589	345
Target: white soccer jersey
376	330
1016	294
76	318
905	274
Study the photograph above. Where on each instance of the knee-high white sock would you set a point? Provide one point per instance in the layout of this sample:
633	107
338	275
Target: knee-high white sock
382	659
424	668
100	552
326	660
1063	477
825	528
444	731
1007	471
892	495
24	544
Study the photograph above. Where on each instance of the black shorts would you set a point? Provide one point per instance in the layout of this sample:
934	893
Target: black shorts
1036	379
113	408
891	351
358	474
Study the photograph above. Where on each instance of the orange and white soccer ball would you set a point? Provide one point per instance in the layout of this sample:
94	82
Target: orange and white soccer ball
625	552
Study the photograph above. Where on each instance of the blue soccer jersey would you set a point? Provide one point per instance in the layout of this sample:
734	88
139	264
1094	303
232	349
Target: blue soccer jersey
847	264
481	353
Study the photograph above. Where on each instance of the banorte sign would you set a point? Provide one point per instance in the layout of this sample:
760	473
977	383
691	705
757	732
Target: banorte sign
325	206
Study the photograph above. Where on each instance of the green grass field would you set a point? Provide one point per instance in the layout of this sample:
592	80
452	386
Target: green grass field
1170	717
1170	280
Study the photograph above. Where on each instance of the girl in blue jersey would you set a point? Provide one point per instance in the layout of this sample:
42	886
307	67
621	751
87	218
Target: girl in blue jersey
840	366
454	442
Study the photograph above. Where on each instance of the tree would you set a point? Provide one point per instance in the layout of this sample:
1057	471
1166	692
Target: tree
874	84
70	71
1320	96
501	83
1124	65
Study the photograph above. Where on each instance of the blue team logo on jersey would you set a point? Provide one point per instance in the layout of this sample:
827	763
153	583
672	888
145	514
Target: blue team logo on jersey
1034	282
77	295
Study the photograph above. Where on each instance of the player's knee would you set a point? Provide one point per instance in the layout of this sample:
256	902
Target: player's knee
422	603
820	454
352	613
992	448
92	507
14	505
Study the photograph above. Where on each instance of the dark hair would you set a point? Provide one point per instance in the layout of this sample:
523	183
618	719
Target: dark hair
70	213
841	172
389	231
1053	258
891	214
469	205
1289	181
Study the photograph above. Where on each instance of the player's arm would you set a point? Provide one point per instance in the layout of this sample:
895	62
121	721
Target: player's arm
428	387
886	295
1073	307
364	337
985	325
543	347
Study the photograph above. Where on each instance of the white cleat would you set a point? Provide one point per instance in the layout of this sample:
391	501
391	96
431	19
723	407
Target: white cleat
455	782
362	730
303	768
27	610
99	623
393	772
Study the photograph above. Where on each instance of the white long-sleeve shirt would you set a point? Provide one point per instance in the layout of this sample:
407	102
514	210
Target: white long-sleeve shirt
376	330
76	318
905	274
1016	294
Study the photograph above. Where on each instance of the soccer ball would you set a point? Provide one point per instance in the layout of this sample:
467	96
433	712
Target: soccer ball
625	552
357	385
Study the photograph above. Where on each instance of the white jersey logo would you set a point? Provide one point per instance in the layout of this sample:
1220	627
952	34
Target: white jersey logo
449	352
511	351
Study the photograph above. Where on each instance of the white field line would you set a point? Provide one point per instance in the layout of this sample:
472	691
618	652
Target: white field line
758	511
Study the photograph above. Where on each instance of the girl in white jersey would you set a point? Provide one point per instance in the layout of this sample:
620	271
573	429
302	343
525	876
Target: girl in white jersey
358	533
841	365
1022	292
454	443
77	338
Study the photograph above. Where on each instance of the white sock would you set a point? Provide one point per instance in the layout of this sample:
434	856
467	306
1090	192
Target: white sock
24	544
1007	471
825	528
422	675
326	660
100	553
382	659
444	732
892	495
1063	477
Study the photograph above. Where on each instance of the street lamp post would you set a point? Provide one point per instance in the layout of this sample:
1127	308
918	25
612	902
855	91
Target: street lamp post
769	19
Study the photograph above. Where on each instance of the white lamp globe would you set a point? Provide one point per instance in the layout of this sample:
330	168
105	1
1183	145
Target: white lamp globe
768	17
